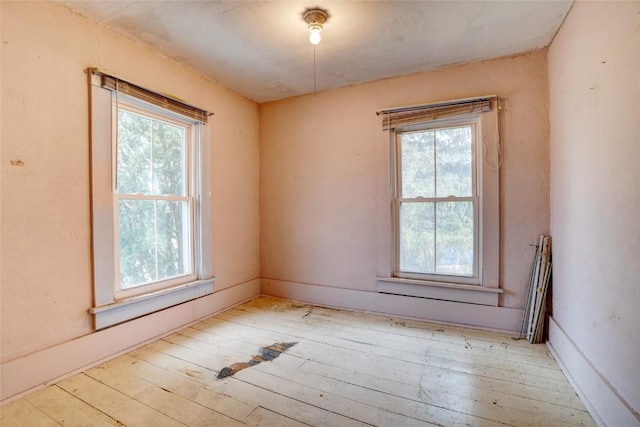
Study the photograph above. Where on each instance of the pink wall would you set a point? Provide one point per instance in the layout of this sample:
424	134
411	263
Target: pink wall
323	185
324	173
46	240
594	73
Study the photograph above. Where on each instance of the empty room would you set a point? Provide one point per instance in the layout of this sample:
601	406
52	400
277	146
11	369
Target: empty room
330	213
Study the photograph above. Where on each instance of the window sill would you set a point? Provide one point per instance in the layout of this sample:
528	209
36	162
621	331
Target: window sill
473	294
130	308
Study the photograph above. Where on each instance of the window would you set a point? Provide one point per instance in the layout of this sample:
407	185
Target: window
436	203
151	205
444	236
154	200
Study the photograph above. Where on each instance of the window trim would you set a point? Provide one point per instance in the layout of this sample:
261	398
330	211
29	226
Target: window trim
108	309
487	292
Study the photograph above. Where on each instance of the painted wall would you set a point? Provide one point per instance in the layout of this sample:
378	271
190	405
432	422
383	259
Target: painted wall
324	173
594	73
46	233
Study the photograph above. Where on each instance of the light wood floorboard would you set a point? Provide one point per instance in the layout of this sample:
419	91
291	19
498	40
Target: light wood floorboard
347	369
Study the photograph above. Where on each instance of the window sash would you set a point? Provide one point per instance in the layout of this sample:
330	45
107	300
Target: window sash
190	251
435	275
399	200
135	106
153	118
189	162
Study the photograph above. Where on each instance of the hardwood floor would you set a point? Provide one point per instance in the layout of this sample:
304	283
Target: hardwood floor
347	369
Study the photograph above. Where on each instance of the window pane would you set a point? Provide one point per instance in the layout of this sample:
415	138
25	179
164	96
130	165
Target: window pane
417	164
168	159
453	162
136	225
151	156
154	239
174	245
454	238
134	153
417	237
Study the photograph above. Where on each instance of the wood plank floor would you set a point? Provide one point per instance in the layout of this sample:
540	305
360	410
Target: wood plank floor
347	369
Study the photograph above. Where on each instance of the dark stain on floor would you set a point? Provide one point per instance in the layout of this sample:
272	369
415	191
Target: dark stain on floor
266	354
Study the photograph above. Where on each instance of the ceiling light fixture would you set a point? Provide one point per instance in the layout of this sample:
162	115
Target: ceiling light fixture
315	19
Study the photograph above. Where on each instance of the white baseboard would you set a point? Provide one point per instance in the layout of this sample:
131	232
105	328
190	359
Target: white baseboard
601	400
36	370
474	315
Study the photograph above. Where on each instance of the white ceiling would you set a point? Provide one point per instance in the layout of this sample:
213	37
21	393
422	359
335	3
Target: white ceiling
261	49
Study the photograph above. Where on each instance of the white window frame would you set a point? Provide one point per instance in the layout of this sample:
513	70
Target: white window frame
112	305
476	172
484	287
191	136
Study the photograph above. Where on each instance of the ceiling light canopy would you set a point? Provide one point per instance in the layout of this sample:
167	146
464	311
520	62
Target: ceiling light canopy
315	19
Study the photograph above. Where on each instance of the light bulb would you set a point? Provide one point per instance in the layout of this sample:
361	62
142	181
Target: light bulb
315	18
314	34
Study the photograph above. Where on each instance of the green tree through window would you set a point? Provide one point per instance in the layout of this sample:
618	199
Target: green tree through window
154	208
436	201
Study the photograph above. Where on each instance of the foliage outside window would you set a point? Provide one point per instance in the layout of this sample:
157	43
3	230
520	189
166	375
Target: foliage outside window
155	201
436	203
